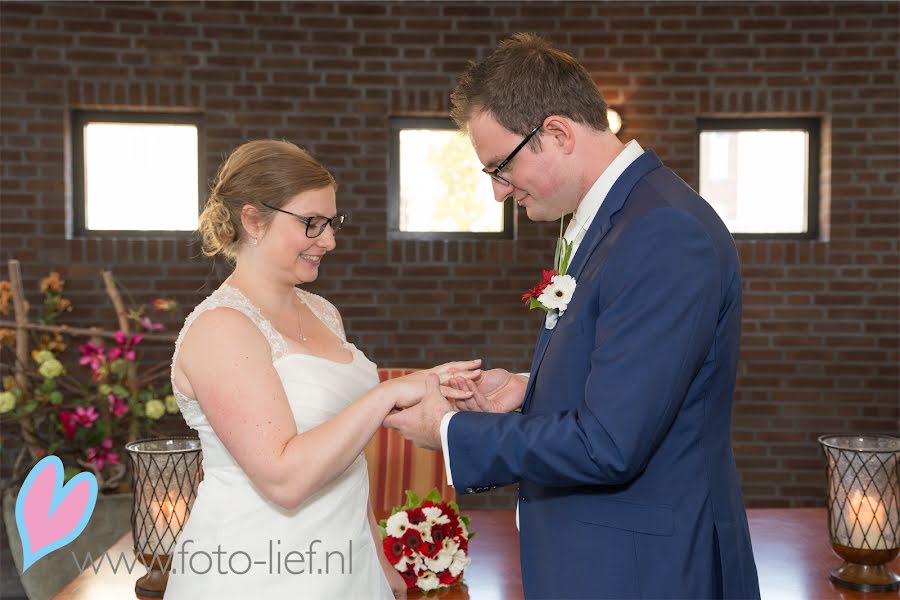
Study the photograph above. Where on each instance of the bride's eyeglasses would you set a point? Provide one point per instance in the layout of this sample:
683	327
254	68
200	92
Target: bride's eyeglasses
315	226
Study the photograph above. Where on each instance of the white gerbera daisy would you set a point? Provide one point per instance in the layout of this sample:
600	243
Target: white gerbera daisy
558	294
397	524
460	562
427	581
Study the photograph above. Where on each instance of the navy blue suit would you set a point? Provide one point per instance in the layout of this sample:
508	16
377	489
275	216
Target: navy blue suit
622	452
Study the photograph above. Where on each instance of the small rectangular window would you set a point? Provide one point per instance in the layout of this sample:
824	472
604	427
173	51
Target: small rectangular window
436	187
136	173
762	175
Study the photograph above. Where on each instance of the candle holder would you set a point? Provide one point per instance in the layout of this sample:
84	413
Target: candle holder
166	475
863	509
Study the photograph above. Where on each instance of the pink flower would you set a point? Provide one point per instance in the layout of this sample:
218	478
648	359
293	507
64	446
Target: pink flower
149	325
80	417
117	406
86	416
102	455
92	354
126	346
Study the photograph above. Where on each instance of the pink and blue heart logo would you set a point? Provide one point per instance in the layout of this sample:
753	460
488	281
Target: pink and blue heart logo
49	514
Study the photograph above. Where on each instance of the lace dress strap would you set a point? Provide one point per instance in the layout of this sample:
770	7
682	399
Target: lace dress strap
325	311
229	297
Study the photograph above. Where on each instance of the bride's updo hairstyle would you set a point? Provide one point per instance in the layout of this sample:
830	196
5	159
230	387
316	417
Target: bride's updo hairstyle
260	172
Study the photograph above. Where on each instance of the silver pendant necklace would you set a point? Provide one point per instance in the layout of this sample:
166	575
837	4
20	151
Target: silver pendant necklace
300	327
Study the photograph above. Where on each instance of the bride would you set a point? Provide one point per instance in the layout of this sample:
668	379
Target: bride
284	405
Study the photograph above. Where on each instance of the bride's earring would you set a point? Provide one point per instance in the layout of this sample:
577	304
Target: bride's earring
255	241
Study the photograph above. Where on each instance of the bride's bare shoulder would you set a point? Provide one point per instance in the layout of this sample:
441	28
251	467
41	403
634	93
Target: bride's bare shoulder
223	329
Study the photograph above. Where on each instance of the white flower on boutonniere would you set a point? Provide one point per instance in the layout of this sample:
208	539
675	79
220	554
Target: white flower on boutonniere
555	291
558	294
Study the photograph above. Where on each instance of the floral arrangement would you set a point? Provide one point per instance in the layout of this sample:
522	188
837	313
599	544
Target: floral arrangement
85	407
427	541
555	290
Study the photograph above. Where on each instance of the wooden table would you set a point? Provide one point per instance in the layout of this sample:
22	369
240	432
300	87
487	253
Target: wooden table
793	557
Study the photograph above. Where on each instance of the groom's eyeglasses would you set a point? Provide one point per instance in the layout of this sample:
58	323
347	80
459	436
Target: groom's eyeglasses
315	226
495	173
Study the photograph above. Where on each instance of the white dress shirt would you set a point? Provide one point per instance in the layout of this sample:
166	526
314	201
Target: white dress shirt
578	226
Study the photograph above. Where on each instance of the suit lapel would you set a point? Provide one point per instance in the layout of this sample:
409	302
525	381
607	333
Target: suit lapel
600	227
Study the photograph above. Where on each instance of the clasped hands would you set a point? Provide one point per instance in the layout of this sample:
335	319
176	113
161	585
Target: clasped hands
450	387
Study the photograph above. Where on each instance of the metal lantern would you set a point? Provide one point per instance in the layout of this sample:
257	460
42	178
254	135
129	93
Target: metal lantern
864	509
166	475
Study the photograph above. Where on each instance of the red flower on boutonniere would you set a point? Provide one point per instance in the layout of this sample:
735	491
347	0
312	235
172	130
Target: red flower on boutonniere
539	288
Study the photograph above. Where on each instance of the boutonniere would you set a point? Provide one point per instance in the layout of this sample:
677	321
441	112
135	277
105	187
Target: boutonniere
555	290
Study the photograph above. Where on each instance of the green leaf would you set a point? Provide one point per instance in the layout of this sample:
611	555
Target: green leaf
30	406
121	391
434	495
557	254
119	367
412	499
56	397
535	303
567	257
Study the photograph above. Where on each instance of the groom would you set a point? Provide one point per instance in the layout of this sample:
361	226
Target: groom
622	449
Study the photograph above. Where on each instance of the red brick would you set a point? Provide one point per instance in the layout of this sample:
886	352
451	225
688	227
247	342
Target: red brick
820	318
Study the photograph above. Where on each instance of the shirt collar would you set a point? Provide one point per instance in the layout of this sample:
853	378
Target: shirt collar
591	202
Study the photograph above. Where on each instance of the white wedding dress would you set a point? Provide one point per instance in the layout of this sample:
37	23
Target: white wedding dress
232	524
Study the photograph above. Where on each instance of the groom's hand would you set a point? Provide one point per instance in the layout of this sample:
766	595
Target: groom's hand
495	391
421	424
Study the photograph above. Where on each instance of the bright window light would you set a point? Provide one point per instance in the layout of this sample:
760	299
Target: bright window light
140	176
441	186
758	180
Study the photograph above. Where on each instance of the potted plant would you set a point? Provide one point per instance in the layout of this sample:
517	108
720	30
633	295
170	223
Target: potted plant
81	395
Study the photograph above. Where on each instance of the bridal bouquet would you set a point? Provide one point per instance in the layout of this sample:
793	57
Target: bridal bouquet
427	541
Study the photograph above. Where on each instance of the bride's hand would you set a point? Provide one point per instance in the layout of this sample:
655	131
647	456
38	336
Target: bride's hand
466	369
408	390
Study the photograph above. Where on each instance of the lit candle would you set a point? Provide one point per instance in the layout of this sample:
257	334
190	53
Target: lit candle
168	518
869	522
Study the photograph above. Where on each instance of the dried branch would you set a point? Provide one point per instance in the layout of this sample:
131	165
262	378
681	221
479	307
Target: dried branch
20	307
83	331
124	326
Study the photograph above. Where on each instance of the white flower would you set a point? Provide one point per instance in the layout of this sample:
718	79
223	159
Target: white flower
43	356
397	524
424	529
435	515
439	562
428	581
154	409
51	369
451	545
460	562
558	294
7	402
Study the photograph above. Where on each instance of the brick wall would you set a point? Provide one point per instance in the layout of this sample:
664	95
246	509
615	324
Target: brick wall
820	345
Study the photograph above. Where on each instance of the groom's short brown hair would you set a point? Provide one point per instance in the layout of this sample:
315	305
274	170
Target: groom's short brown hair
524	81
